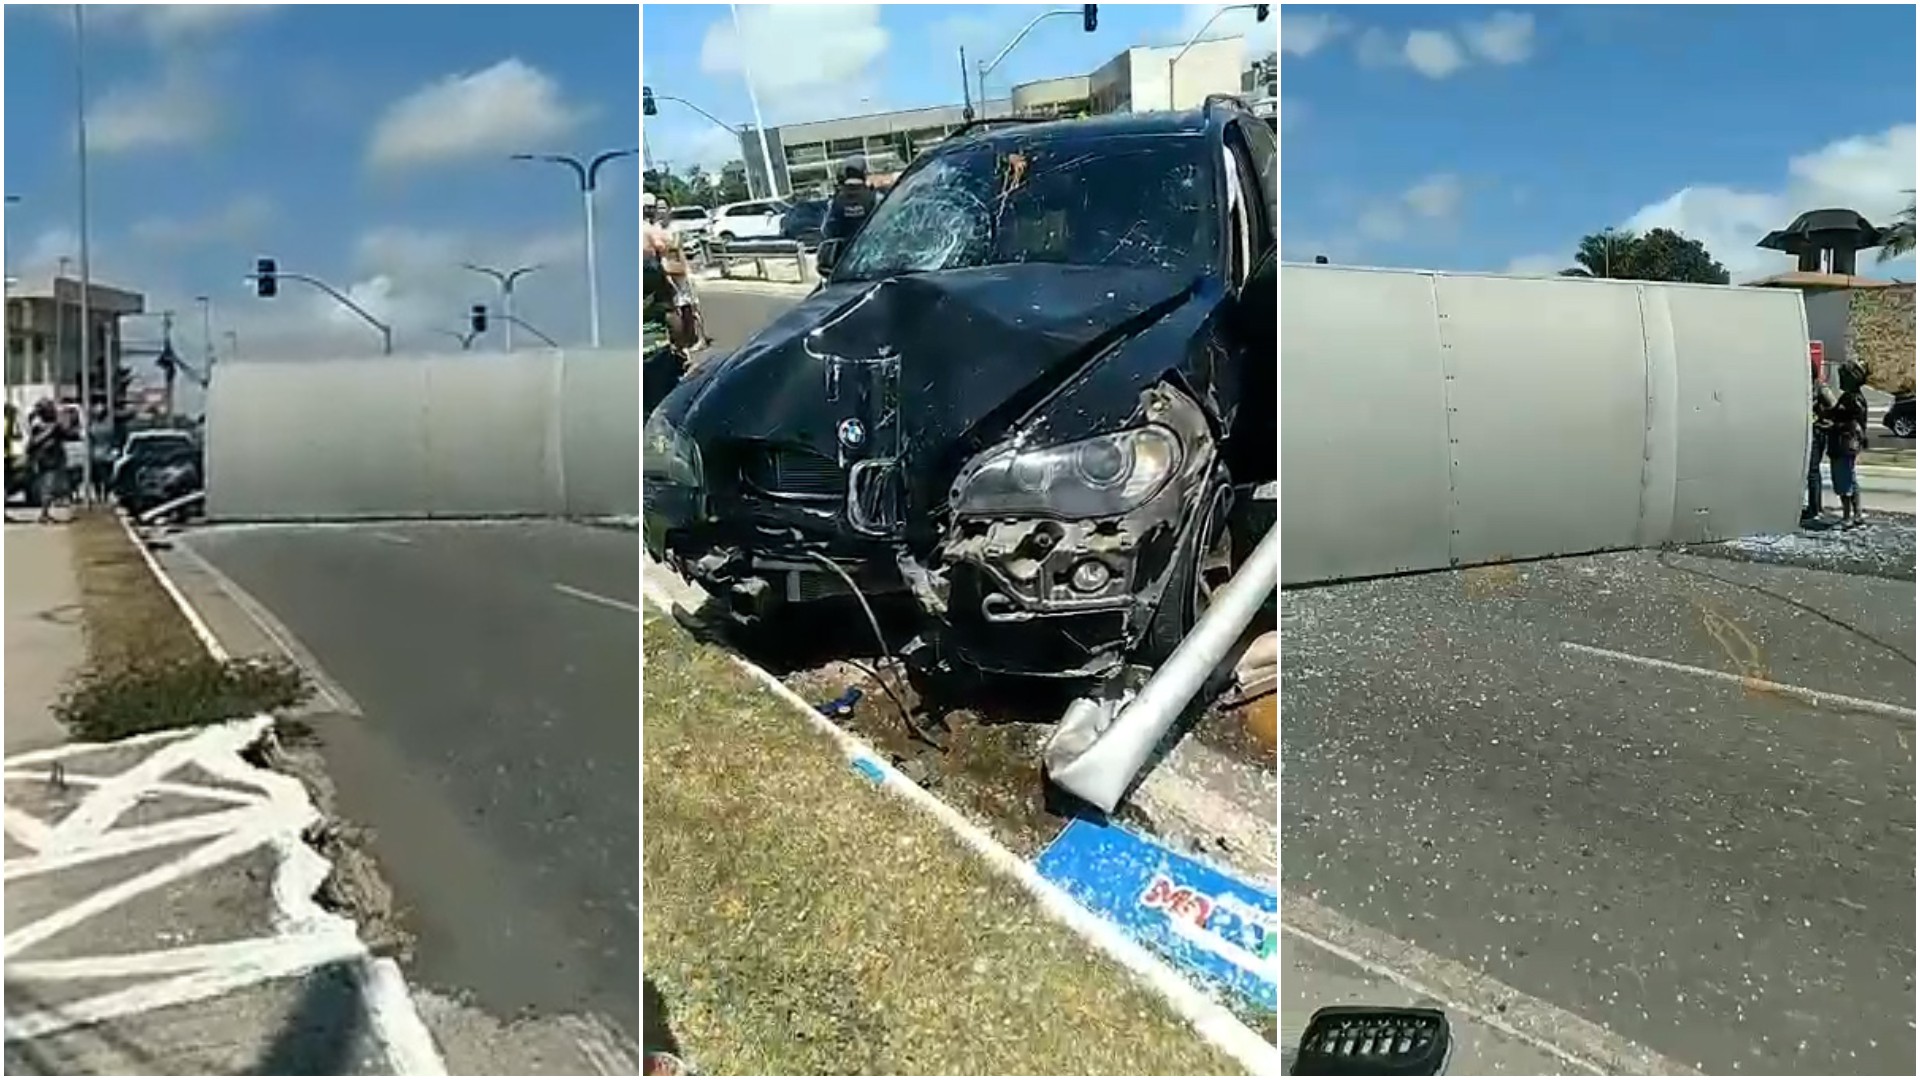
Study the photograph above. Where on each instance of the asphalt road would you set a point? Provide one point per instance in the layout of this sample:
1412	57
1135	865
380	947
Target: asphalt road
735	315
1715	871
496	755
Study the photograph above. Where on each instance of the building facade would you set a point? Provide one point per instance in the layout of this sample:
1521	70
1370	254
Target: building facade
43	339
807	157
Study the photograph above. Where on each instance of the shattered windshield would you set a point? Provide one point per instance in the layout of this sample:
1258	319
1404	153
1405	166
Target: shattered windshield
1131	201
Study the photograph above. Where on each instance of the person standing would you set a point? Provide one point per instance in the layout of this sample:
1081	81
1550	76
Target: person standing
852	203
1820	402
1846	438
100	448
47	457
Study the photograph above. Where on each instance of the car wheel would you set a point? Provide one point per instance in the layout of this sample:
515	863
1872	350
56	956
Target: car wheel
726	238
1902	426
1204	566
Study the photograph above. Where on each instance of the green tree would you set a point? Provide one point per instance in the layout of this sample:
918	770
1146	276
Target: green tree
663	184
1900	234
1657	255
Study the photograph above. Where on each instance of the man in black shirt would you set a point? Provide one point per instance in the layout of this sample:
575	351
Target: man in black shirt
852	204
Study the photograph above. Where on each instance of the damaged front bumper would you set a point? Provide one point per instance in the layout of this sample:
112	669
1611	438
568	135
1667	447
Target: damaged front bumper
1004	592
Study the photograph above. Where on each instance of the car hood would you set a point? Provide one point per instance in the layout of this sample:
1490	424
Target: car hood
929	367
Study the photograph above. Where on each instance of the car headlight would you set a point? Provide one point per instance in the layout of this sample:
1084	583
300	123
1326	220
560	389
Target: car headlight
668	454
1099	477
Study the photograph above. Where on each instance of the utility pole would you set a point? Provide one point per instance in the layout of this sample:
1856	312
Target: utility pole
206	329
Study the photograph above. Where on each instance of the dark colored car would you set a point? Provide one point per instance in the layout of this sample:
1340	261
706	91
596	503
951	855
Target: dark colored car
155	466
1899	417
803	221
1028	396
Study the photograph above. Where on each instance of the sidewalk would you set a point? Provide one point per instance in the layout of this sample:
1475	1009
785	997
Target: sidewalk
159	905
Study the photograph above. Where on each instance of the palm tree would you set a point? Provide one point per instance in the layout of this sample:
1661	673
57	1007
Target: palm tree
1899	240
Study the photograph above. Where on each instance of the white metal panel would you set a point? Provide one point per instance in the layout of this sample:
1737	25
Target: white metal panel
1430	420
1363	434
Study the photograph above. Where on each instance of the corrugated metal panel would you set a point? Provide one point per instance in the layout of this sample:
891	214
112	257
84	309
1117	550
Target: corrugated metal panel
425	436
1434	420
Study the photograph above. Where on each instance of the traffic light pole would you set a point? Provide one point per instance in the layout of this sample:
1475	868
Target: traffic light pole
1260	15
1085	11
386	332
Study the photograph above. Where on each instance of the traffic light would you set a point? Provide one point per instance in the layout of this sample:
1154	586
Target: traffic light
265	282
1090	17
1260	13
477	319
647	107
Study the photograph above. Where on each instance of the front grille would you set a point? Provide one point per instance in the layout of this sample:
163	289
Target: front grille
799	474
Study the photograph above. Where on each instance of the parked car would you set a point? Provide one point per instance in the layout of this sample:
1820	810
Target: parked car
690	224
758	220
1899	417
802	223
153	466
1027	397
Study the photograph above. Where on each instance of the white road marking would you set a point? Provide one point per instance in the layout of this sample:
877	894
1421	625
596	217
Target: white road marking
595	598
1812	697
390	537
1462	991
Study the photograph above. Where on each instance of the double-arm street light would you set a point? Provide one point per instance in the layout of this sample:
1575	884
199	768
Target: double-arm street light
588	173
506	278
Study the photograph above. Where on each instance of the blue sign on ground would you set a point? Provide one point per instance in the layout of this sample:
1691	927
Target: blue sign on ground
1200	918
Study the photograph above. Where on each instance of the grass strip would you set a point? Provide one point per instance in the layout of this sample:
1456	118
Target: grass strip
798	921
146	669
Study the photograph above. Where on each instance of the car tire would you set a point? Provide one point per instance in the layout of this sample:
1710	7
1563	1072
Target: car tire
726	238
1203	564
1902	427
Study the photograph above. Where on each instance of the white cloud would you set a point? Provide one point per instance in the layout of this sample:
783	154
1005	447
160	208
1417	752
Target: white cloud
1434	53
1538	265
809	61
1506	37
238	222
1868	173
1307	32
171	22
507	108
177	109
1431	205
706	145
1436	198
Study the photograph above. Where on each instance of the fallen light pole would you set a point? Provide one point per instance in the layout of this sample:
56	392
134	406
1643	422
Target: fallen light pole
1095	754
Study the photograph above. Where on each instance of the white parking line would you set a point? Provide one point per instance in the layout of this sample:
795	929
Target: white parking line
1467	993
1811	697
596	598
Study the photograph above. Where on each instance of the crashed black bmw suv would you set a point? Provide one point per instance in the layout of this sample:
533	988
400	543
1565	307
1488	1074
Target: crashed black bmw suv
1028	394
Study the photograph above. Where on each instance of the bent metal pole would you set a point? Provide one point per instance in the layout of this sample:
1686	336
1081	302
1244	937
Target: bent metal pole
1102	772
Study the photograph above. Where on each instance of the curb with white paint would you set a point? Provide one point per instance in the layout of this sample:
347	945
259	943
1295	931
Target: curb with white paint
391	1015
1214	1023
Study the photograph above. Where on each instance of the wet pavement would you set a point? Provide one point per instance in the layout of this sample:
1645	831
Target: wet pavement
1484	765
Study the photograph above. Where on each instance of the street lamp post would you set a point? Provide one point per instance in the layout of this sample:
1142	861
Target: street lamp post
86	258
753	99
1260	13
506	278
588	173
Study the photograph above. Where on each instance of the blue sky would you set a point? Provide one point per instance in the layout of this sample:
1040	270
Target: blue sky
1493	138
817	62
365	145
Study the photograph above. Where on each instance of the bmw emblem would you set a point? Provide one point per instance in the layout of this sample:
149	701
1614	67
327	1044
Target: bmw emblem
853	433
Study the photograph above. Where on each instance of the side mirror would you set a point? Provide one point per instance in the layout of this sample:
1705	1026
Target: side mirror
829	255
